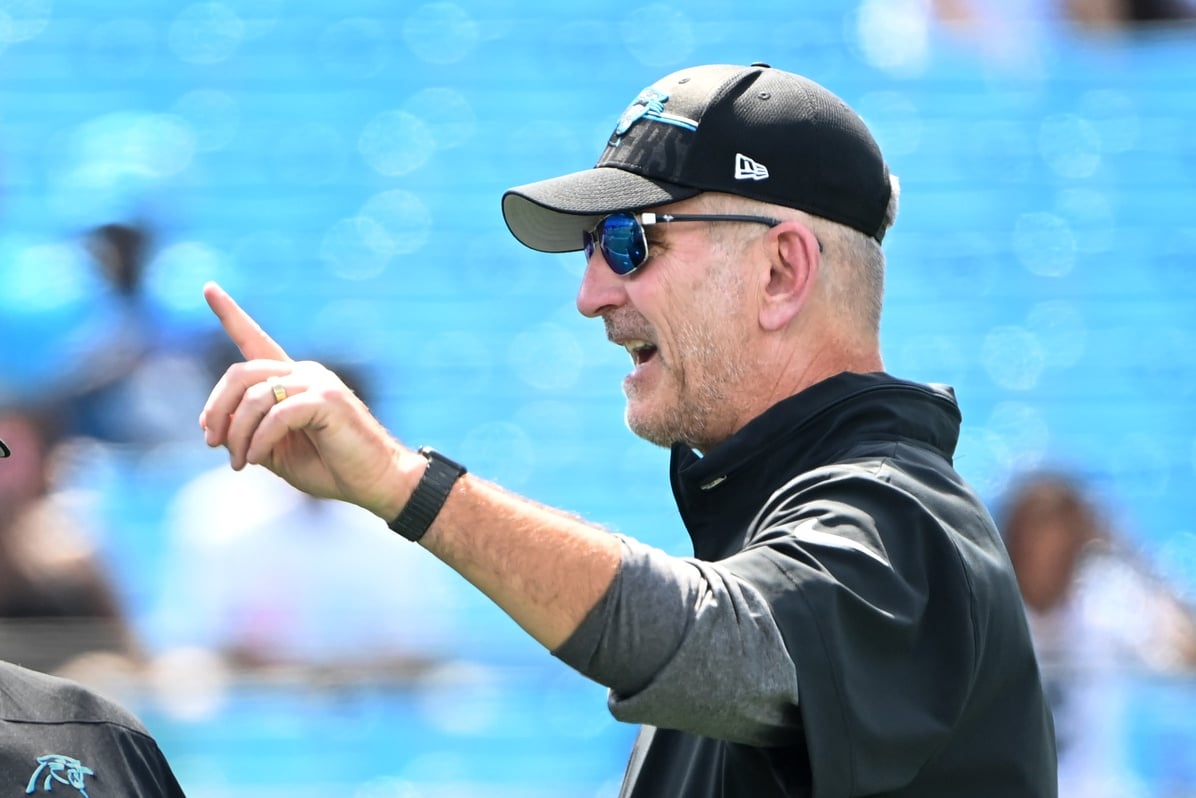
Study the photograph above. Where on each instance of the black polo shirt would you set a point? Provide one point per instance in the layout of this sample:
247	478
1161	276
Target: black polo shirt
59	739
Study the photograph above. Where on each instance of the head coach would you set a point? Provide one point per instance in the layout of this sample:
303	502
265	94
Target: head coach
848	624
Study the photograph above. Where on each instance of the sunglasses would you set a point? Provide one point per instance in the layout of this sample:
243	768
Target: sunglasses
624	245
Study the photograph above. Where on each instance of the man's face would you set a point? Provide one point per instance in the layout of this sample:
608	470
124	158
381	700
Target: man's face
684	320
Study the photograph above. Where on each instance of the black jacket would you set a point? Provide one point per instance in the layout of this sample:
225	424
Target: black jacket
58	738
894	600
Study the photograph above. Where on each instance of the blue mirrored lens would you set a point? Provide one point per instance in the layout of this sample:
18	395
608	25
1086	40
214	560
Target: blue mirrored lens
623	243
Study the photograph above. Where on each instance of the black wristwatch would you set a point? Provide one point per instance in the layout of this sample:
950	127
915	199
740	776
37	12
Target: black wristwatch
429	495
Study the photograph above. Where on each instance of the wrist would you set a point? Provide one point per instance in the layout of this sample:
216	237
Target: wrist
393	492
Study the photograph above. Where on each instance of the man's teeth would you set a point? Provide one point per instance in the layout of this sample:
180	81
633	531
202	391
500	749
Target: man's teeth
639	350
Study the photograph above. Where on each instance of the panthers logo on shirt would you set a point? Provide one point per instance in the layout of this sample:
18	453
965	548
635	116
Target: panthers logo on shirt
55	769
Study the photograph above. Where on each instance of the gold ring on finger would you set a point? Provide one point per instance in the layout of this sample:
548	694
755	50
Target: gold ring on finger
276	386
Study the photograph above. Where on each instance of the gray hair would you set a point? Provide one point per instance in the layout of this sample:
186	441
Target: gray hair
854	262
858	264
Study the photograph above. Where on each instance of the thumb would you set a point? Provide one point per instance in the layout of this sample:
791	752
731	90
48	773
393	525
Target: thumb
247	334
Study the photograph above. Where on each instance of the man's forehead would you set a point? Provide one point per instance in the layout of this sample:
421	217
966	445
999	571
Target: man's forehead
718	202
702	202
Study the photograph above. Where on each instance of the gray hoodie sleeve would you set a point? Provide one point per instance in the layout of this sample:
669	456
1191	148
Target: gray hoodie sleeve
686	644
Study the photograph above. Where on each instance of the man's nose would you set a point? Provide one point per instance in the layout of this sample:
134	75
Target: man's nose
601	289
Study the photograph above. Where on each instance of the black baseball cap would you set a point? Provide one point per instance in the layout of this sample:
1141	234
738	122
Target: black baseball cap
753	131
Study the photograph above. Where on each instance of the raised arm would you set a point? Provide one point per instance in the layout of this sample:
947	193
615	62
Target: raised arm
545	568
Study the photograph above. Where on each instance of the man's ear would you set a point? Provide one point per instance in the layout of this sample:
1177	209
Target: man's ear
794	257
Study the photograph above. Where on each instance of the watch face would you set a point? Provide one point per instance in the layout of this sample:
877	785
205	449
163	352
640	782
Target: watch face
432	454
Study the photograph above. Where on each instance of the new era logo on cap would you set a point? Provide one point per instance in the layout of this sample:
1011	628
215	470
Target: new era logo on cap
747	169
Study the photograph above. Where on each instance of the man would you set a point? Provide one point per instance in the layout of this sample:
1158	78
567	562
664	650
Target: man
58	737
849	624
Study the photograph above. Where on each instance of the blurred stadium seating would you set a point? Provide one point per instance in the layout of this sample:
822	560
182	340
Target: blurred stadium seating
338	168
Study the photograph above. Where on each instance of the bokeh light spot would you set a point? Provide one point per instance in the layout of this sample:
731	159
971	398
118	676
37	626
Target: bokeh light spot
894	35
1044	244
46	276
1089	213
395	143
24	19
446	114
440	33
1025	432
1114	117
1061	328
1069	145
349	248
177	275
1013	357
984	458
205	33
401	222
259	17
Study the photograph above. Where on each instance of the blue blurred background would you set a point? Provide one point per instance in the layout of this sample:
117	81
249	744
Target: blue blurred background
338	167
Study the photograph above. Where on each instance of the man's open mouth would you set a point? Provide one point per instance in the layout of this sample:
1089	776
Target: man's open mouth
641	351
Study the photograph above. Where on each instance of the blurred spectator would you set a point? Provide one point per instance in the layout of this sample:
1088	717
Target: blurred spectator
1097	615
58	610
979	15
1018	33
269	577
53	731
1114	14
139	380
1086	594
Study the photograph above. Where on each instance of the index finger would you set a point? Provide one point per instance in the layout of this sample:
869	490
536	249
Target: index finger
246	333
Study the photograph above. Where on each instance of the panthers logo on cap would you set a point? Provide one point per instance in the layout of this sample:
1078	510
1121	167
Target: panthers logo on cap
649	105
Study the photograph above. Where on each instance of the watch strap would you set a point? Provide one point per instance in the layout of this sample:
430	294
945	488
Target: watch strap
429	495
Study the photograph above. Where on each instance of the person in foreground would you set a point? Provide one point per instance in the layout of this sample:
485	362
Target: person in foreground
59	737
849	624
